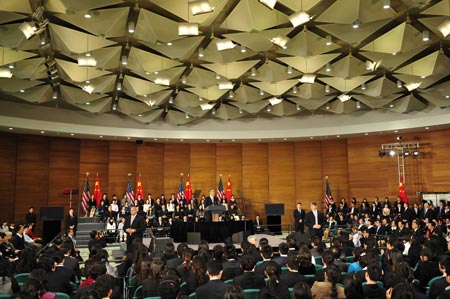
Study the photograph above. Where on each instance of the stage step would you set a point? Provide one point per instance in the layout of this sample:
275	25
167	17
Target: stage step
85	226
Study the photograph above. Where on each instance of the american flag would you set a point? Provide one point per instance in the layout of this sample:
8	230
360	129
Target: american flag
328	195
130	192
86	195
220	193
180	189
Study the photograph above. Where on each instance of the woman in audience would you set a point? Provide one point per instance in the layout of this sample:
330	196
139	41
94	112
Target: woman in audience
197	275
329	287
306	267
234	292
27	260
301	290
352	287
150	277
272	272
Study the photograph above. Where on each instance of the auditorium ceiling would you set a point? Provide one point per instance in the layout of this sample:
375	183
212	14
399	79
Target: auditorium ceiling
235	60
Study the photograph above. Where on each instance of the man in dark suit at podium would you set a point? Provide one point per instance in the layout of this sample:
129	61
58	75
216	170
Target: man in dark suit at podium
134	226
315	220
211	199
299	218
71	221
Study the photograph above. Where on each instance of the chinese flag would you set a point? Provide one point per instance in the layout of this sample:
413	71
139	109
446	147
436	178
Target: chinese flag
401	191
188	189
228	190
139	189
97	191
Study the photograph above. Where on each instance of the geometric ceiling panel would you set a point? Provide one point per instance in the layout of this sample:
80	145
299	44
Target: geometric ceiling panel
246	16
309	64
14	84
186	100
107	23
284	108
258	41
273	72
349	66
211	93
275	88
297	5
353	36
102	105
155	99
177	118
441	8
312	104
21	6
149	116
228	112
307	43
140	60
152	27
426	65
309	91
170	75
423	82
107	58
402	38
340	107
72	41
231	70
37	94
439	96
374	102
201	78
72	6
130	107
389	61
345	85
212	55
348	11
77	73
138	87
100	85
381	87
13	38
8	55
433	24
32	69
195	111
181	48
7	17
252	108
406	104
248	94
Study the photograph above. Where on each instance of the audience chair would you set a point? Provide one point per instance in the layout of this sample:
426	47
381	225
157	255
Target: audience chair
229	281
62	295
430	283
318	260
349	259
152	297
310	278
319	267
21	278
251	293
137	293
192	295
4	296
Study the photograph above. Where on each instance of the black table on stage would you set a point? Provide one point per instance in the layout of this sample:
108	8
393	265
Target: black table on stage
213	232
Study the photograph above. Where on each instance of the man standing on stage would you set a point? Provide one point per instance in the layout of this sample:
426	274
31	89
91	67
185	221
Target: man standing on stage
299	218
71	221
315	220
134	226
211	199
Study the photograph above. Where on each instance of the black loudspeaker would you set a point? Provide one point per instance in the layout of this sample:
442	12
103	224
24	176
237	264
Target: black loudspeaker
237	237
193	238
51	213
50	229
157	245
139	141
274	209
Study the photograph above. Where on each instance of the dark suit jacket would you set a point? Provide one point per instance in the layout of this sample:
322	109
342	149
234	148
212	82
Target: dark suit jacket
30	218
297	216
249	280
428	214
18	242
261	268
310	221
213	289
138	224
288	280
57	282
173	263
437	288
69	221
231	269
280	260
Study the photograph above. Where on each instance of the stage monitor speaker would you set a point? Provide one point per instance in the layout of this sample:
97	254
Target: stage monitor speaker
52	213
237	237
193	238
157	245
302	238
274	209
139	141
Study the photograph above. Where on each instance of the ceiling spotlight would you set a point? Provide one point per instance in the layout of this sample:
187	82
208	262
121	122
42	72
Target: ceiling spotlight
444	28
213	112
11	66
344	97
217	76
356	24
114	106
425	35
327	107
183	79
186	115
298	107
294	89
124	60
226	85
243	49
55	95
22	90
328	67
289	69
269	108
328	40
87	14
5	73
391	105
200	52
406	154
188	29
358	105
200	99
225	44
87	60
399	138
169	44
307	78
131	26
280	41
399	84
327	88
363	86
200	7
415	153
269	3
386	4
391	153
240	111
231	94
253	72
261	92
299	18
170	100
119	85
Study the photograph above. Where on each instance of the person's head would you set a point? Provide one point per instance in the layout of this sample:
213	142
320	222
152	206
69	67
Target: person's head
212	192
403	291
104	285
133	211
283	248
272	272
169	289
98	269
234	292
31	209
327	257
266	252
90	295
299	205
333	274
214	269
373	273
248	263
33	287
313	206
229	252
301	290
292	262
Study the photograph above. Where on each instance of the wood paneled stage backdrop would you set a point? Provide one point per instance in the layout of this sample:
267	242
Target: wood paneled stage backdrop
34	170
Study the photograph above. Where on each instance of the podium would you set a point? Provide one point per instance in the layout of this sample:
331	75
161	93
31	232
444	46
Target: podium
215	211
51	222
274	213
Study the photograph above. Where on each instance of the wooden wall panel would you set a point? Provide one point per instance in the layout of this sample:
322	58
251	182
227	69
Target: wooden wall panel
94	158
440	153
203	170
229	162
32	175
281	170
308	172
122	161
334	165
150	164
8	150
64	164
176	161
255	177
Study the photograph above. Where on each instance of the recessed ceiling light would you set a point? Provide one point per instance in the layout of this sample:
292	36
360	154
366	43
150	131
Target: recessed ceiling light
311	137
129	138
88	103
396	131
447	97
284	139
338	136
22	90
391	106
233	140
207	140
155	139
10	129
42	132
87	15
366	134
169	44
181	140
72	134
140	115
100	136
259	139
427	128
